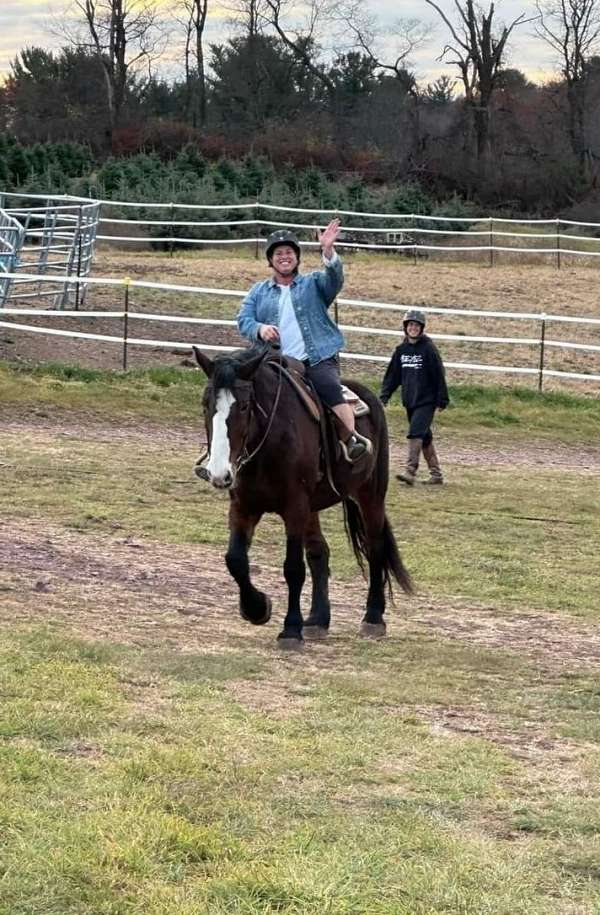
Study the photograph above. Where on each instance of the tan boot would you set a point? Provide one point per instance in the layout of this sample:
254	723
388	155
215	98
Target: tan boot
436	476
409	474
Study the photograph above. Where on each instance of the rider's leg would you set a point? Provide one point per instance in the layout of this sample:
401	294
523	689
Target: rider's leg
325	377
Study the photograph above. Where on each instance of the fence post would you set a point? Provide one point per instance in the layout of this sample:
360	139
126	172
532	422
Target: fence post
542	349
171	228
127	282
256	217
412	220
491	241
558	244
79	234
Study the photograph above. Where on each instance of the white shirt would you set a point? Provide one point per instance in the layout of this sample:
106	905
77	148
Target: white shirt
292	341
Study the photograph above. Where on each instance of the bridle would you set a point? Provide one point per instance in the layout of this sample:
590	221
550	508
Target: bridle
246	456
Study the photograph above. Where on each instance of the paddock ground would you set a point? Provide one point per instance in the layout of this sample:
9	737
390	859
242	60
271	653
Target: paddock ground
161	757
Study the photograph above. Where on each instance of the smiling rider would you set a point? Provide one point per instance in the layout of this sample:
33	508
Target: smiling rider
291	309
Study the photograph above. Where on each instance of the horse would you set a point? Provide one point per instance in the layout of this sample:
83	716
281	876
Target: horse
265	449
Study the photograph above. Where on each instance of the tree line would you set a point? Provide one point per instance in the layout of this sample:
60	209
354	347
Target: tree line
482	130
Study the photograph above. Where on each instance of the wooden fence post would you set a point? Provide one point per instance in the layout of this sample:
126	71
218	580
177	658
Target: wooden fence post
127	282
542	350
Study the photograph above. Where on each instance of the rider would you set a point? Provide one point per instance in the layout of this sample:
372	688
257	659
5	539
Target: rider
417	365
291	309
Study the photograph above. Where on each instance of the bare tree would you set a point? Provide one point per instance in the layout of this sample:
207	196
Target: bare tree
196	12
572	29
123	34
302	38
478	52
365	34
249	16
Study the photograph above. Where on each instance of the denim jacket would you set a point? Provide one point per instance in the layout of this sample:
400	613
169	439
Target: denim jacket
312	294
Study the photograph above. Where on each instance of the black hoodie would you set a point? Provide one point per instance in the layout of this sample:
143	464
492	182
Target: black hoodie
419	369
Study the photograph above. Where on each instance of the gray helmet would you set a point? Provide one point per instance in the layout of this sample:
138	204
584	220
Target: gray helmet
414	314
282	237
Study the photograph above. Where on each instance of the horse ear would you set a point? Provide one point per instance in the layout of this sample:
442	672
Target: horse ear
246	371
205	363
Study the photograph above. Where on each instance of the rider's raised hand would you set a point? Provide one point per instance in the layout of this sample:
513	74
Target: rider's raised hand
329	236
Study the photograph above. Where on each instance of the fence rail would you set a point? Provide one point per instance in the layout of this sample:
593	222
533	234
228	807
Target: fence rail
404	233
126	315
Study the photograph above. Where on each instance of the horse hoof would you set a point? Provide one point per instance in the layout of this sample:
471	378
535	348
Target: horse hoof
372	630
315	633
263	616
290	642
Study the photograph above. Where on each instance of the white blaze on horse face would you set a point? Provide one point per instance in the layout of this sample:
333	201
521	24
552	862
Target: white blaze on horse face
219	464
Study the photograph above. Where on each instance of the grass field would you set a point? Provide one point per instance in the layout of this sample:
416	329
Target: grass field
159	757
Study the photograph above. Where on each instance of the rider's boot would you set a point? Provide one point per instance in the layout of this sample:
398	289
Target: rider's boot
355	446
409	474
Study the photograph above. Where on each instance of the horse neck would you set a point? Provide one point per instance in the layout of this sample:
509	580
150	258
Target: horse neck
271	393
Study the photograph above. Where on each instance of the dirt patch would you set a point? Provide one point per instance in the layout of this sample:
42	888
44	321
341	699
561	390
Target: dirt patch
149	593
18	420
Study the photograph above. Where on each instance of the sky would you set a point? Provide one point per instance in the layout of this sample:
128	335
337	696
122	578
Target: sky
36	22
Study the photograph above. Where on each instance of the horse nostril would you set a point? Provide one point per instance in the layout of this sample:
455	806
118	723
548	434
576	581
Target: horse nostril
228	479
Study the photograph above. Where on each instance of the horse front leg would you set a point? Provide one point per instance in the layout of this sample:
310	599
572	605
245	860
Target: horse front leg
316	626
255	605
294	571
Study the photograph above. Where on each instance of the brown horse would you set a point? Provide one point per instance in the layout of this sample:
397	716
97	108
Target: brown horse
264	447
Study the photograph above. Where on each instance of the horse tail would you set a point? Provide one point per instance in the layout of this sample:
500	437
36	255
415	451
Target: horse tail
391	562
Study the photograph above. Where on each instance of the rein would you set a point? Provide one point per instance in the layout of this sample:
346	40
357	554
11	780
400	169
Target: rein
245	458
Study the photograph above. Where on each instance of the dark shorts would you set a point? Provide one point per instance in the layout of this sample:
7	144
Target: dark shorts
420	420
325	377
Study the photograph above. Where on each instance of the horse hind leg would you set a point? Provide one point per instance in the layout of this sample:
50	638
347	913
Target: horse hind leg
316	626
370	521
255	605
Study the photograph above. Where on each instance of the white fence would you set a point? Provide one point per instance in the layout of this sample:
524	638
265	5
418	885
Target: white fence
414	234
540	344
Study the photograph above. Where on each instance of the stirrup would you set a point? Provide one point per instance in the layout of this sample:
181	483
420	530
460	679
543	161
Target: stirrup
356	447
199	468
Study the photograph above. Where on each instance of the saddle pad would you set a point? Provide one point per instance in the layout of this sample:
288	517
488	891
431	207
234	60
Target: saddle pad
359	407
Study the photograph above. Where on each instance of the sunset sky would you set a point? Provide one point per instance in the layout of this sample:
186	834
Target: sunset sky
35	22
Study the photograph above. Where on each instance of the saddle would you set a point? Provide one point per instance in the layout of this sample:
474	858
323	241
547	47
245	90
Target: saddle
295	372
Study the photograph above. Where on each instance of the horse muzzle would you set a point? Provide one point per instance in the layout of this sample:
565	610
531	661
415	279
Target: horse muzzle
221	482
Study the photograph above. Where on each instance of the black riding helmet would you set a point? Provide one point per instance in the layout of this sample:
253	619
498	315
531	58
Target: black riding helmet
282	237
414	314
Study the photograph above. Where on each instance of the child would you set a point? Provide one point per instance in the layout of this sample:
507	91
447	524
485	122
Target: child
417	365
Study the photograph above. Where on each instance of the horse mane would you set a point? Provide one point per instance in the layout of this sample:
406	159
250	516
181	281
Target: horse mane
225	367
